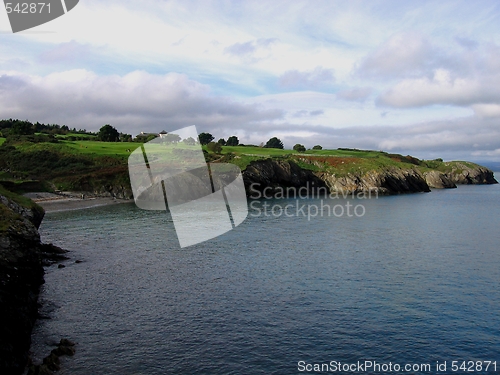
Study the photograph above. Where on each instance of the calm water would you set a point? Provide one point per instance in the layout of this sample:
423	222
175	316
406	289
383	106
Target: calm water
415	280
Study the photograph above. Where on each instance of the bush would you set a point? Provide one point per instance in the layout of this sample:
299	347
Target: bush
299	148
216	148
274	143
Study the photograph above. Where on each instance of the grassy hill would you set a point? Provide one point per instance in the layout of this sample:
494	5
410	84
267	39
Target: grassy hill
41	163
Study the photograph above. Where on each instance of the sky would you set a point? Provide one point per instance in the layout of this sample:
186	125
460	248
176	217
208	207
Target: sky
411	77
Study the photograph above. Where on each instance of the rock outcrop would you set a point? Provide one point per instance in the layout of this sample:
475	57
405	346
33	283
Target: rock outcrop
438	180
468	174
113	191
274	175
389	181
278	174
21	274
51	363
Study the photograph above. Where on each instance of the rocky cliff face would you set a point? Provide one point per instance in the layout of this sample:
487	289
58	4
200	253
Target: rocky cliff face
277	175
438	180
21	274
114	191
467	174
386	182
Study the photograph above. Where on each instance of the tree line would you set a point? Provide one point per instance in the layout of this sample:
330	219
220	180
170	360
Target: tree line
108	133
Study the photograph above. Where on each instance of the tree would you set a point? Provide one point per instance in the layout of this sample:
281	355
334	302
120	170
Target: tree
21	128
274	143
222	142
232	141
205	138
125	137
189	141
299	148
317	147
172	138
214	147
108	134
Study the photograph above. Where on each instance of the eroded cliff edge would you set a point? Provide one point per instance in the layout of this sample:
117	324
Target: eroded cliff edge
22	257
274	175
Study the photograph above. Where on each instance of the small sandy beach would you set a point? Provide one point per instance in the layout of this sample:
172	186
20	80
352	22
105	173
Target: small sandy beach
68	201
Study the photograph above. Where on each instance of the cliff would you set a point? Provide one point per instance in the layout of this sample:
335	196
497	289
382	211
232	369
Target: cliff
275	174
21	275
387	181
465	173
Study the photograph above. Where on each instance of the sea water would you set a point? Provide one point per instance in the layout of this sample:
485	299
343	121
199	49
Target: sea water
412	281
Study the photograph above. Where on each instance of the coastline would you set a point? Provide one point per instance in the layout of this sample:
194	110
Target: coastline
71	201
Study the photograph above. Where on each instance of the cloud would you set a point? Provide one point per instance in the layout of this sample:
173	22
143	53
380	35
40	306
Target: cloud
467	43
486	110
355	94
141	101
317	112
133	102
66	52
250	51
442	88
304	113
313	79
402	55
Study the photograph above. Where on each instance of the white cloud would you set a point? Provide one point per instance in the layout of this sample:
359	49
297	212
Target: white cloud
81	98
486	110
401	55
442	89
317	78
355	94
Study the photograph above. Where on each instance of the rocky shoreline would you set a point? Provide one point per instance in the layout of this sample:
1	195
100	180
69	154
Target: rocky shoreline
274	175
22	258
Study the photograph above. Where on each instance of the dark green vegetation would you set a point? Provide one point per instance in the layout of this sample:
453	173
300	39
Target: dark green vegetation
7	216
27	164
44	162
57	158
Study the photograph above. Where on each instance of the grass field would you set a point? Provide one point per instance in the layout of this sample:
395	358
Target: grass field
71	165
122	149
76	135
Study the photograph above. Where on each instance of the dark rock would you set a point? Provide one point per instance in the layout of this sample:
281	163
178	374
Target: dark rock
61	266
52	362
64	350
438	180
21	275
78	261
470	174
275	176
66	342
52	253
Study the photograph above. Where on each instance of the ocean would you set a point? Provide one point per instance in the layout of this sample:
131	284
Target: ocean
406	284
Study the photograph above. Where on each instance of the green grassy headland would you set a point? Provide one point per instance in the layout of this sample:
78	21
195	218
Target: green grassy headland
28	163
